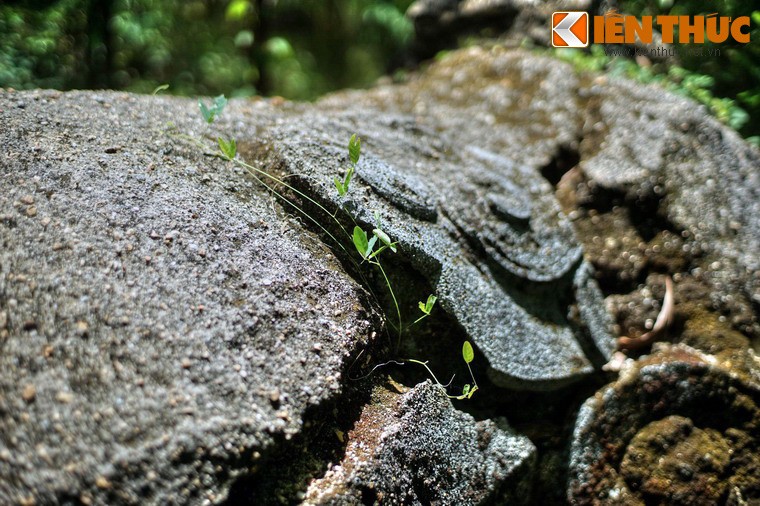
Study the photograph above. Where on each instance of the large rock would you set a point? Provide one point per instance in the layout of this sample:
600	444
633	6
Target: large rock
163	323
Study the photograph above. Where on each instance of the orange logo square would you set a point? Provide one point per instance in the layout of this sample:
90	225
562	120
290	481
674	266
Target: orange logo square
570	29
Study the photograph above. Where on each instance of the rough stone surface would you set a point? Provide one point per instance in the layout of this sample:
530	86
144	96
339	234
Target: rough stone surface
415	448
679	427
152	306
694	175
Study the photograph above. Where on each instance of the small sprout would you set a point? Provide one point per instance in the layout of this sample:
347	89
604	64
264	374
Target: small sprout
228	148
426	307
210	114
160	88
342	186
354	149
468	355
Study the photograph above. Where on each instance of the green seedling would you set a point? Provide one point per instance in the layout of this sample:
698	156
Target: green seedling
228	148
210	113
354	152
342	186
160	89
468	390
426	307
468	355
354	149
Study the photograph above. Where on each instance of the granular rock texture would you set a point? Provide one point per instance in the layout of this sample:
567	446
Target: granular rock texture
415	448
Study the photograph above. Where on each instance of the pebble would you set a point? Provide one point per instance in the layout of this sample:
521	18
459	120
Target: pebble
102	482
31	211
81	328
27	200
64	397
29	393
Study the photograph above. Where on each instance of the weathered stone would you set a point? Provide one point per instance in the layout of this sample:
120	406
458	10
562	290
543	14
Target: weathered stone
415	448
678	427
683	167
135	381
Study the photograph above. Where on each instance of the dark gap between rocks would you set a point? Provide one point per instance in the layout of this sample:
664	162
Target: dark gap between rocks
283	477
563	160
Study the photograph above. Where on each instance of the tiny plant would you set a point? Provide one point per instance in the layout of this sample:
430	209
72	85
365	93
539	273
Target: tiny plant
160	89
468	390
228	148
426	307
210	113
354	151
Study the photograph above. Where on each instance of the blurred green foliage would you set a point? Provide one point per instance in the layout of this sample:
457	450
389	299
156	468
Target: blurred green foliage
296	49
728	83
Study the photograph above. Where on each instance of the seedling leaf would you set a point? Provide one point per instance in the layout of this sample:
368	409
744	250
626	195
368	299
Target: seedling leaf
347	180
210	114
360	241
466	390
219	103
426	307
339	186
228	148
160	88
207	114
383	237
430	303
354	149
467	352
370	247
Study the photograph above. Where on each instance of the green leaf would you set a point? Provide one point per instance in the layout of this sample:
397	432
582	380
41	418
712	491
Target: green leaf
208	115
360	241
430	303
160	88
370	247
467	352
426	307
228	148
347	179
339	186
466	390
382	236
354	149
219	103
